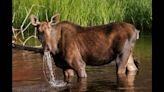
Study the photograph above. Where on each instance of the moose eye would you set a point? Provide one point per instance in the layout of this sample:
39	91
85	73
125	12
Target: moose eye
39	33
37	27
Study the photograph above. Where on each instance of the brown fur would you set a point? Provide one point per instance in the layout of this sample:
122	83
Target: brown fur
96	45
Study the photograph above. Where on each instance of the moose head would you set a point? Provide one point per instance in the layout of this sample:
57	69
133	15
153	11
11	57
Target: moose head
44	30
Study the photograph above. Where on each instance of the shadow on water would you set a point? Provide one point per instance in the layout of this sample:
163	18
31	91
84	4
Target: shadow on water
28	74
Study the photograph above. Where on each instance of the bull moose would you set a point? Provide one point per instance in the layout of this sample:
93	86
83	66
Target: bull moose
73	46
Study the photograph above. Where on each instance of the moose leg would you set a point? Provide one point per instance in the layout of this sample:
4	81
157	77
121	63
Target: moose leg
122	58
76	62
79	66
131	67
82	72
68	74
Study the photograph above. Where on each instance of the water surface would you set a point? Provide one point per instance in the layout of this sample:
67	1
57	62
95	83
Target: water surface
28	74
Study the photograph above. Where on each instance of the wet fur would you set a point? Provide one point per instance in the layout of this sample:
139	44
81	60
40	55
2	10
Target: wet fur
74	46
96	45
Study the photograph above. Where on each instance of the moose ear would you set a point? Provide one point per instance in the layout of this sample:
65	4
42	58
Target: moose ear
34	20
55	19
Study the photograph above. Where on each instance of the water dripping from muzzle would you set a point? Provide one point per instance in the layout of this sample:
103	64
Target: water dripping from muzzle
49	75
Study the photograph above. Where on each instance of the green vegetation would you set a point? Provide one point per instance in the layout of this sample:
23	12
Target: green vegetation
83	12
87	12
143	48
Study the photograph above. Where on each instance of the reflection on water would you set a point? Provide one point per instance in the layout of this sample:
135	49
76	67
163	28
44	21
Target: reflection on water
28	74
126	82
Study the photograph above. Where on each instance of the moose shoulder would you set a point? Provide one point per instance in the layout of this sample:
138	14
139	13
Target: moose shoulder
96	45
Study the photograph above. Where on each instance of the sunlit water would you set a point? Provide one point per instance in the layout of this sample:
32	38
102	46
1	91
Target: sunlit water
28	74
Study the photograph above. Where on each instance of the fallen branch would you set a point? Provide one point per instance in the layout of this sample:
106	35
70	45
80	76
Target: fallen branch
29	48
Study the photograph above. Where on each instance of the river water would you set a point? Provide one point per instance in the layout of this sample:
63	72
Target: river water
27	74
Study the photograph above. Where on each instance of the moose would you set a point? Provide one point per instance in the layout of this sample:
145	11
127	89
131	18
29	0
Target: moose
73	46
